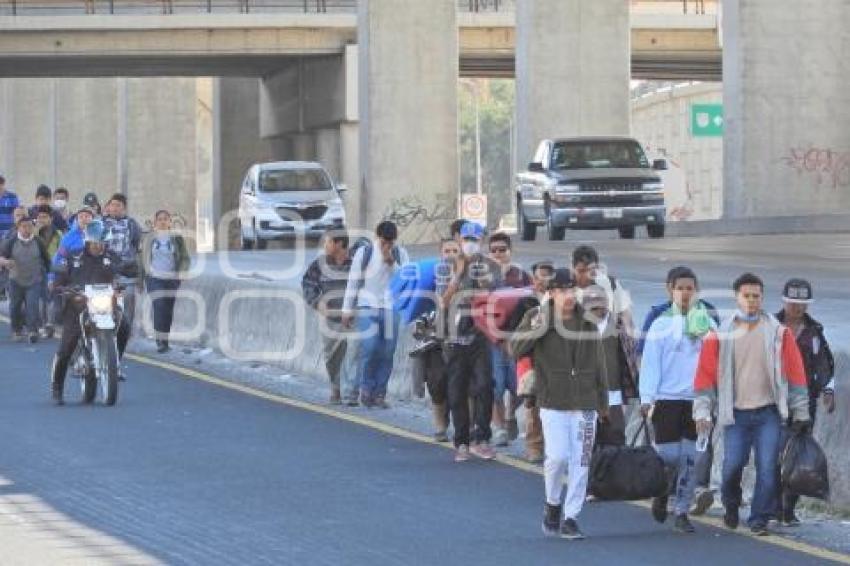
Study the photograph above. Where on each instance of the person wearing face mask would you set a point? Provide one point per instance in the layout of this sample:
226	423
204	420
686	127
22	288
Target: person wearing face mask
60	202
572	391
368	303
25	256
469	367
752	370
669	362
44	197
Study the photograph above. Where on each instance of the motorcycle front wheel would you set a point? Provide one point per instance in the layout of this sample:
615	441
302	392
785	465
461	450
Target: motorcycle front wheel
107	363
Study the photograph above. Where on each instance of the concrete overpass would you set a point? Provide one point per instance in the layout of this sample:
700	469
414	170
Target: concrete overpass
663	46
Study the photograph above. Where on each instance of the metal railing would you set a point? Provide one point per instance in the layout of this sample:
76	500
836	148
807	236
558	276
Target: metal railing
133	7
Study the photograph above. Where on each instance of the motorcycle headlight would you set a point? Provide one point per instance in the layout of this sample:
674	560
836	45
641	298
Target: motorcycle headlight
100	304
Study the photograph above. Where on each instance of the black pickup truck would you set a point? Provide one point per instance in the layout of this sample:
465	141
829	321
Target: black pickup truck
590	183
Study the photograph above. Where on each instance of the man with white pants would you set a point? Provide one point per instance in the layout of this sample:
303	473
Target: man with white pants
572	392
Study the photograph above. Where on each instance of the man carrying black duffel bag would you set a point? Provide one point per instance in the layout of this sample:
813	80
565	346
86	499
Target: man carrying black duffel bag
572	389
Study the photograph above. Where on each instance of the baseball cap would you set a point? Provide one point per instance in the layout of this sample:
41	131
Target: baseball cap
472	230
90	199
562	279
797	291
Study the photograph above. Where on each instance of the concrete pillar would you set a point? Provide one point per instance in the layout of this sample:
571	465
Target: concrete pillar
327	150
304	146
786	76
572	70
349	161
408	75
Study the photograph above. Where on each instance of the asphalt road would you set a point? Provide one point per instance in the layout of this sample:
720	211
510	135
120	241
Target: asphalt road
185	472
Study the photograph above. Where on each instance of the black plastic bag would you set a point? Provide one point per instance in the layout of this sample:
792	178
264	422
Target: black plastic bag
627	473
804	468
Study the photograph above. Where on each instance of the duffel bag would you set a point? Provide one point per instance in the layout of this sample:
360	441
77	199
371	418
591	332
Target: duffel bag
628	473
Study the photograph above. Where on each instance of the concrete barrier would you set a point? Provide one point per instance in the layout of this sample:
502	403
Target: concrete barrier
268	316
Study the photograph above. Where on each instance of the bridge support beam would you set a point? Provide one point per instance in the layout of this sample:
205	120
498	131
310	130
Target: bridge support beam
408	115
572	70
786	76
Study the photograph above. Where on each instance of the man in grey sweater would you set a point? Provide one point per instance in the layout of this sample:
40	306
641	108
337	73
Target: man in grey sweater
26	258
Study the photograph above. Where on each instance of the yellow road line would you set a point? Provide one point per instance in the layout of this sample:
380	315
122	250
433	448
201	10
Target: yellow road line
516	463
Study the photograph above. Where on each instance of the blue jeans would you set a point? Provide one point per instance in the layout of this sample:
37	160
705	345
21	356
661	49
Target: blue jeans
757	429
24	303
504	373
377	331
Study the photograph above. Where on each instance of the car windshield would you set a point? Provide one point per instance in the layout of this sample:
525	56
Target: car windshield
598	155
278	180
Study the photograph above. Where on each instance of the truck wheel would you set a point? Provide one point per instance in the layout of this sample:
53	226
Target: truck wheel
627	232
655	230
261	243
245	242
527	230
556	233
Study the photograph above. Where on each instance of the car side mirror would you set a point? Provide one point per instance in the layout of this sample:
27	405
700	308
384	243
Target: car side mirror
660	165
341	188
535	167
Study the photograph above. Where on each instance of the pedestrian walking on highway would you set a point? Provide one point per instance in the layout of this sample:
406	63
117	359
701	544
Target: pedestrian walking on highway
467	352
818	362
323	286
369	303
123	237
504	424
165	260
51	237
541	273
752	370
704	495
25	256
572	391
9	204
44	198
667	373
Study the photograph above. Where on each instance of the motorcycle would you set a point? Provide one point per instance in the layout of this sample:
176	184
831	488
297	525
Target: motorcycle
95	359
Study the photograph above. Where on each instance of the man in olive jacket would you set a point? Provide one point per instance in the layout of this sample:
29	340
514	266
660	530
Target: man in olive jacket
572	391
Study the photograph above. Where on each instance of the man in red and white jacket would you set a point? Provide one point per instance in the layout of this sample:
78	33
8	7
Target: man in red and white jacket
752	371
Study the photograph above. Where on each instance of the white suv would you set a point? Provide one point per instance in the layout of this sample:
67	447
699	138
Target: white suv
286	199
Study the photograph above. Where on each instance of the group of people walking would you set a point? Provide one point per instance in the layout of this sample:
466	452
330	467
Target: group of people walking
47	246
568	352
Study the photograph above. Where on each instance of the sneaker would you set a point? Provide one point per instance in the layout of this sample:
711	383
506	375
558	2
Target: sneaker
759	529
462	453
351	401
56	395
441	436
513	429
683	524
534	458
659	508
336	397
366	400
380	402
483	450
500	437
570	530
33	337
731	518
790	520
162	346
551	520
703	502
46	332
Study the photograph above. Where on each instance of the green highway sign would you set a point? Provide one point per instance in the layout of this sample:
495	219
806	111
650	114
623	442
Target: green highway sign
706	120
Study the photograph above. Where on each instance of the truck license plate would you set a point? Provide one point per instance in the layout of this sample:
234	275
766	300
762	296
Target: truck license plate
612	213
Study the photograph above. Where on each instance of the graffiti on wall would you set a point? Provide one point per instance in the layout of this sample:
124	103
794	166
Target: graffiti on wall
827	168
414	216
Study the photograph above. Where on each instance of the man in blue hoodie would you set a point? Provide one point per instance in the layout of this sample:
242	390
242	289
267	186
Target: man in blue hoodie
72	242
669	363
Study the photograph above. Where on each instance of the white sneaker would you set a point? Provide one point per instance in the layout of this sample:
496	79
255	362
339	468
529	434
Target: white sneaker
500	437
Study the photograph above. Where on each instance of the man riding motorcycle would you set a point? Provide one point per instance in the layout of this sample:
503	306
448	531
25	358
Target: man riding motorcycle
94	265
